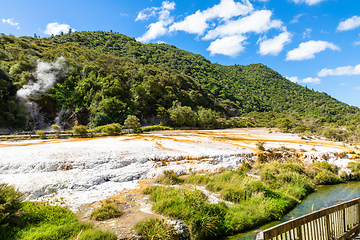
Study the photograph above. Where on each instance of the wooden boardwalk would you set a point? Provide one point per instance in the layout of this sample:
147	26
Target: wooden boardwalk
338	222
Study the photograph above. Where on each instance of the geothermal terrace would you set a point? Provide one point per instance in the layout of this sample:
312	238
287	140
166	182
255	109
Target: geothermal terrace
81	171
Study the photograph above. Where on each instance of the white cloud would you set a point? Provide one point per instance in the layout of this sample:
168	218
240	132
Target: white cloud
309	2
349	24
197	23
305	80
275	46
307	50
296	18
307	33
153	11
340	71
230	46
158	28
356	43
11	22
258	22
155	30
226	24
56	28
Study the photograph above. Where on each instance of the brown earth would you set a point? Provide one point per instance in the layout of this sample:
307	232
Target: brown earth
130	203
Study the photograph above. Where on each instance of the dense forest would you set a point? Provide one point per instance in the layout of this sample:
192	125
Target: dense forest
252	88
98	78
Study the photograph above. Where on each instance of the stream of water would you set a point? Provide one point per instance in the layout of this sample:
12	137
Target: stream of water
325	196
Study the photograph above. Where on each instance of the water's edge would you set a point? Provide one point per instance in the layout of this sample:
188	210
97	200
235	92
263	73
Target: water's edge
325	196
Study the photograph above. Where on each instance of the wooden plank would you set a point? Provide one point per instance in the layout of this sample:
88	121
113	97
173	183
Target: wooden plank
348	233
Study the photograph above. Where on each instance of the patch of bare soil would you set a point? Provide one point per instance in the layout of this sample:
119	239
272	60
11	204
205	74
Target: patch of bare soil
135	207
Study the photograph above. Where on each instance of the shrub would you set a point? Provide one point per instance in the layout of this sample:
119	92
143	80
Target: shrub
260	145
155	128
355	170
155	229
327	177
106	211
170	177
110	129
80	130
56	129
41	134
10	202
132	122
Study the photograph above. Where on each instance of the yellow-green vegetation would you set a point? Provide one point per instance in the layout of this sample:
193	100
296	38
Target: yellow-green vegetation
155	229
250	196
10	203
355	172
204	219
155	128
29	220
169	177
41	134
109	129
81	130
109	209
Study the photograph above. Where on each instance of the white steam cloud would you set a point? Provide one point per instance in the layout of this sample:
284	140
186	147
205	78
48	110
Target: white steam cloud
46	75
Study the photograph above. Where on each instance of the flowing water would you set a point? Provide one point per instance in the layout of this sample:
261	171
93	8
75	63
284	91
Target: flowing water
325	196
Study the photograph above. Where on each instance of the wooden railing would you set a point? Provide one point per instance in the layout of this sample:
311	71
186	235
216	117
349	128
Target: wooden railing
336	222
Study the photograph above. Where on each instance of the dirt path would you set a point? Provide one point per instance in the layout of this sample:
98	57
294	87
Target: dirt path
135	206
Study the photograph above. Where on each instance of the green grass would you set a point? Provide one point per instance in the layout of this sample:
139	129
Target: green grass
95	234
155	229
355	171
155	128
169	177
205	220
40	221
277	189
106	211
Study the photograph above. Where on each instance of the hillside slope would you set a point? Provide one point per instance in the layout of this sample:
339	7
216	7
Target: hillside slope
253	88
40	80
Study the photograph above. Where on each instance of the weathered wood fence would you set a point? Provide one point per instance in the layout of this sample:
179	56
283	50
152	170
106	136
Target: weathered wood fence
336	222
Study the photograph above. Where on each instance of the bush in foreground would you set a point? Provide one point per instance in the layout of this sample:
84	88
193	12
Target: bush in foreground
106	211
155	229
169	177
37	221
10	203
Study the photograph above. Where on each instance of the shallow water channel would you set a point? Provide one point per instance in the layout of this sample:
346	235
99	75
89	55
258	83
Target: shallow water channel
325	196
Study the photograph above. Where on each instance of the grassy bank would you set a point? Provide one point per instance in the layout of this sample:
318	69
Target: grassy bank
39	221
249	196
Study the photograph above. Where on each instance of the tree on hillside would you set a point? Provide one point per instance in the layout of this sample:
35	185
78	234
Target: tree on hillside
132	122
181	116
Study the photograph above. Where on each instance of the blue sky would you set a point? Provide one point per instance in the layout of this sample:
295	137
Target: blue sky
311	42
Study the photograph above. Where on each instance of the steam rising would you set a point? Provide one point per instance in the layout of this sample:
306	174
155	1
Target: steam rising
46	75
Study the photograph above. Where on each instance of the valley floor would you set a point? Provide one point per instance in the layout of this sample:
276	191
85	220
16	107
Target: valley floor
79	173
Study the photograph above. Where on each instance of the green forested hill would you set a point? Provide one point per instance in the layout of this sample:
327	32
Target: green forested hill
253	88
91	86
106	76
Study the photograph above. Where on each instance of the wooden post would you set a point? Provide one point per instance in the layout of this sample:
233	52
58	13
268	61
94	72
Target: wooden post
327	225
258	235
344	220
299	233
